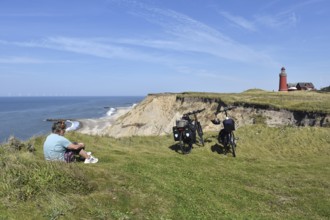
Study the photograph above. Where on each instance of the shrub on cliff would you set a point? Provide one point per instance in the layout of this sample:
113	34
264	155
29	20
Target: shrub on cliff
325	89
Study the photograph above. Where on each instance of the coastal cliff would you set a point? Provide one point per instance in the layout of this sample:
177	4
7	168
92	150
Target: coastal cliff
157	113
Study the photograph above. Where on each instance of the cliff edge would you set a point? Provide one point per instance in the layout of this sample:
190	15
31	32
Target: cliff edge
157	113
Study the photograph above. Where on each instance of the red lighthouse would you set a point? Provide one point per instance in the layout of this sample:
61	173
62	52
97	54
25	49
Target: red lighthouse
283	83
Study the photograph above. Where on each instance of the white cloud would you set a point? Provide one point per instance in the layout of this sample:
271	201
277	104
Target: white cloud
287	18
239	21
181	34
25	60
188	34
281	20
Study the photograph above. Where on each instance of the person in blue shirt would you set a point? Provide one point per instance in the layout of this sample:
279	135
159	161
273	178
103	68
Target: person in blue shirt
58	148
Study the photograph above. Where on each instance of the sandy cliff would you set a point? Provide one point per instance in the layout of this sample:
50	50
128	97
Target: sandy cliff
157	113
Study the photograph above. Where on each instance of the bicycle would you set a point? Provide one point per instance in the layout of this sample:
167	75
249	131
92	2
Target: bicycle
226	135
185	131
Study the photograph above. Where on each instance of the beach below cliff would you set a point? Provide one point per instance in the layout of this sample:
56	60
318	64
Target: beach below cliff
98	126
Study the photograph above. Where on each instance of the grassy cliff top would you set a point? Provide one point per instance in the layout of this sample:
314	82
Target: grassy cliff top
279	173
309	101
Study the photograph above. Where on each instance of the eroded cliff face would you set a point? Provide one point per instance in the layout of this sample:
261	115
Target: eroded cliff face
157	114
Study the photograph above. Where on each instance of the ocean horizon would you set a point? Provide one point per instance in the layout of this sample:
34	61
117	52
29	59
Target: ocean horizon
26	116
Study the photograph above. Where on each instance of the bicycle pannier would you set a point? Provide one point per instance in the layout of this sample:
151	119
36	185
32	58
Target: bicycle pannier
176	134
229	125
189	134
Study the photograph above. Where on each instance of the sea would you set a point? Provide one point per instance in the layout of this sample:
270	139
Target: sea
25	117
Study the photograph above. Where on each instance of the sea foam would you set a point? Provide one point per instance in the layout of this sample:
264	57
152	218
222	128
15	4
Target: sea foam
74	125
111	112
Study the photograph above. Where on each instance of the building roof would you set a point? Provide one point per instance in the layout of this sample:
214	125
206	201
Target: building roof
305	84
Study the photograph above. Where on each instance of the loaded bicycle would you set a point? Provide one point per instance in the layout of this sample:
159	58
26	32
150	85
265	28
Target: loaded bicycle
186	129
226	135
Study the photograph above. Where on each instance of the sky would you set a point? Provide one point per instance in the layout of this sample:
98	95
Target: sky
138	47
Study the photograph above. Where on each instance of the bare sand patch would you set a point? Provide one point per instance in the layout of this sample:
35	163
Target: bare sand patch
98	126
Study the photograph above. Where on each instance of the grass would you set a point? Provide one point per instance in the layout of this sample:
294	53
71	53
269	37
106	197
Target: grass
279	173
310	101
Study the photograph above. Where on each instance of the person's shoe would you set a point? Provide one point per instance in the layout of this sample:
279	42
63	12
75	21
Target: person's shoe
91	160
89	153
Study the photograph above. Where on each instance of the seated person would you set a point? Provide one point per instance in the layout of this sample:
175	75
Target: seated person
59	148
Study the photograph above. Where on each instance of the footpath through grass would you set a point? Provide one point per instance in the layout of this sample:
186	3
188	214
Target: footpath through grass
279	173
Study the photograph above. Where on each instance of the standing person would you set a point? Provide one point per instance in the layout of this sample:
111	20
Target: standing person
59	148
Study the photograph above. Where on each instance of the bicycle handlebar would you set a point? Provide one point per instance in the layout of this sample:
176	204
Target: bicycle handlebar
225	109
194	112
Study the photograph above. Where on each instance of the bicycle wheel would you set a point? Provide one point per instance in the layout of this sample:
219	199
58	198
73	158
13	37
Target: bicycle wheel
232	144
200	133
184	145
225	143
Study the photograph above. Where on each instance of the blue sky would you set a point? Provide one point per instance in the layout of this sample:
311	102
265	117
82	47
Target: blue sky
131	47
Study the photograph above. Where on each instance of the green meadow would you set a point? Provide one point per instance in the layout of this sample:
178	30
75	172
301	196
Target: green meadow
279	173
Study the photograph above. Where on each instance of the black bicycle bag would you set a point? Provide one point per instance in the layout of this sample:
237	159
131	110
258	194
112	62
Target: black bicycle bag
176	133
229	124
